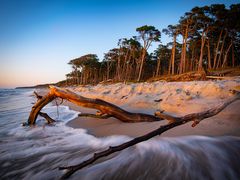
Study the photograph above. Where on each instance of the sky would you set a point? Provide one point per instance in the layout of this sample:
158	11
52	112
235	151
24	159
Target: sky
39	37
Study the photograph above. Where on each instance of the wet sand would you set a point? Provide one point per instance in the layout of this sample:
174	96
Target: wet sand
226	122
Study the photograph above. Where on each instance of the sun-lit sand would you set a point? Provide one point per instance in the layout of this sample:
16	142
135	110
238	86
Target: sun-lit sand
178	98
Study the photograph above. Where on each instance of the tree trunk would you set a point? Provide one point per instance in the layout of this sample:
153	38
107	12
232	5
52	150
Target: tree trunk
158	66
216	50
104	107
181	60
220	55
200	62
118	66
141	65
226	55
174	122
233	57
182	67
173	53
209	56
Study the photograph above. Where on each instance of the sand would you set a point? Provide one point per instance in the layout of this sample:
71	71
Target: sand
178	98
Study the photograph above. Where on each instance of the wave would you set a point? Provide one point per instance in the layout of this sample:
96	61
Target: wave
59	113
39	152
36	153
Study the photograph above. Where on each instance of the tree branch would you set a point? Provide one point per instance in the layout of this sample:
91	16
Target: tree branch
107	109
113	149
47	117
37	95
104	116
103	106
176	121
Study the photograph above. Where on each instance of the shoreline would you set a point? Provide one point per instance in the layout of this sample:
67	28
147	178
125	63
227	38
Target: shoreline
141	98
226	123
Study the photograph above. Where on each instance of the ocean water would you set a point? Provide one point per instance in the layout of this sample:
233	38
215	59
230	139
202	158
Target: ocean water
37	152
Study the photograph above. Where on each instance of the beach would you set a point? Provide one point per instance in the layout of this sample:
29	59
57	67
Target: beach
177	98
37	152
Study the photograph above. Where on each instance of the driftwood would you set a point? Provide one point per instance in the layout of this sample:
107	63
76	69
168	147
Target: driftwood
110	110
106	109
221	72
47	117
175	121
189	76
218	77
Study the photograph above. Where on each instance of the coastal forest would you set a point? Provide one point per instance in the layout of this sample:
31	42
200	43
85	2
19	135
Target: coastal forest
204	39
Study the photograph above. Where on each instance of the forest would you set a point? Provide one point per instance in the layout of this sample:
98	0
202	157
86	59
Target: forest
205	38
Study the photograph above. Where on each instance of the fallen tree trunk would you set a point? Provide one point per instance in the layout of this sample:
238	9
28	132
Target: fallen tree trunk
110	110
175	121
106	109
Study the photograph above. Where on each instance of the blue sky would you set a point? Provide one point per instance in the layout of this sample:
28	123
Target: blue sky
39	37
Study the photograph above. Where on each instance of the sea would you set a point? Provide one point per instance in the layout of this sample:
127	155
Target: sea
37	152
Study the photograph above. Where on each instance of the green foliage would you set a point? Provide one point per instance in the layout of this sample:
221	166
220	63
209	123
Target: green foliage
210	33
149	33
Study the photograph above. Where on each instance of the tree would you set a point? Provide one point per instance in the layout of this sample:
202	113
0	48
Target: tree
172	31
110	59
86	68
162	54
186	27
148	34
202	25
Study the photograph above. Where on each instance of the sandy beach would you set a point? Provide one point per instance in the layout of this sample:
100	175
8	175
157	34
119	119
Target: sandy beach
178	98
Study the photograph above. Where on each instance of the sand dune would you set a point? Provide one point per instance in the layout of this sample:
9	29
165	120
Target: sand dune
178	98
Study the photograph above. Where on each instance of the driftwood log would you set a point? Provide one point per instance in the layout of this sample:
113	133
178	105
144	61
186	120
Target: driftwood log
106	109
110	110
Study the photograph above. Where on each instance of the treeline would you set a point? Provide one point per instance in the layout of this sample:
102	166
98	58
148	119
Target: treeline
205	38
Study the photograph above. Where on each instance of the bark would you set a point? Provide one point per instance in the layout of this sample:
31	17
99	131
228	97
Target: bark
233	57
216	50
181	60
226	55
185	50
158	66
200	62
221	72
203	39
141	65
209	56
182	68
220	55
104	107
172	62
47	117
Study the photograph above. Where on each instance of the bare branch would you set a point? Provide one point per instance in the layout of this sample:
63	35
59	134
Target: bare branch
110	110
37	95
47	117
103	106
175	121
104	116
113	149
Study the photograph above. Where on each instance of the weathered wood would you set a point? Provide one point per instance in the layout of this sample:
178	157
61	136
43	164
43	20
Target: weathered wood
112	149
101	105
175	121
189	76
37	95
38	107
47	117
104	116
107	109
218	77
